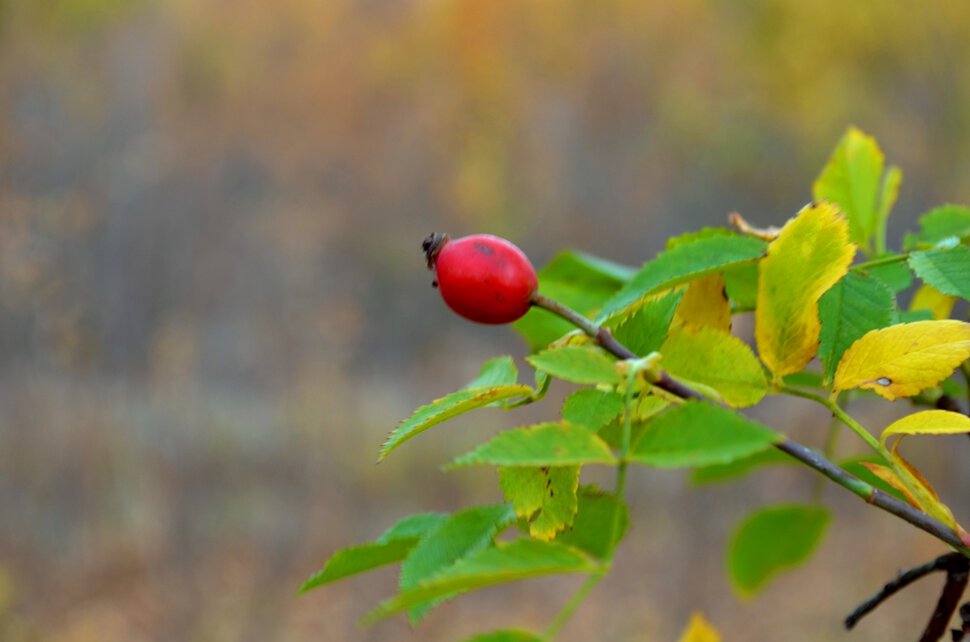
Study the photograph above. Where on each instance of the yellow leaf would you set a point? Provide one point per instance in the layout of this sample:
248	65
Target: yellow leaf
810	255
903	359
928	422
716	360
917	489
705	304
889	476
929	298
699	630
926	496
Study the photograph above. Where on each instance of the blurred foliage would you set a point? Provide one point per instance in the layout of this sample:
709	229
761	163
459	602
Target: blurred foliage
212	304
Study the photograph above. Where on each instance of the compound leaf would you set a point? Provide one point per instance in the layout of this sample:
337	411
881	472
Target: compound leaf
901	360
809	256
771	540
696	433
546	444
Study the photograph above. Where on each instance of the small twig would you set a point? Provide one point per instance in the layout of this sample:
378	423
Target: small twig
957	574
563	616
904	579
886	260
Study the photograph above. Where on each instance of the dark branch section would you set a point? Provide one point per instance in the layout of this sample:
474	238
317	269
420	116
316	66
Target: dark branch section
900	582
957	573
804	454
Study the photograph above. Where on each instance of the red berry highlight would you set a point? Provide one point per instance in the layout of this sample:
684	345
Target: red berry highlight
481	277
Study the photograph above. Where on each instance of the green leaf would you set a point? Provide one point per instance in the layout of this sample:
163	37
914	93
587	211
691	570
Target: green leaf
499	564
739	467
944	222
644	408
547	495
506	635
390	547
852	179
547	444
456	537
601	522
578	364
500	371
592	408
717	360
741	284
699	434
359	559
897	276
891	181
578	280
855	305
687	238
946	270
682	264
771	540
645	330
912	316
447	407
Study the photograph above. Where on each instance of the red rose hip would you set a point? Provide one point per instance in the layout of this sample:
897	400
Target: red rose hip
483	278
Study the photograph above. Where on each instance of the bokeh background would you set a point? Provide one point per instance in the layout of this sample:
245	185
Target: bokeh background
213	304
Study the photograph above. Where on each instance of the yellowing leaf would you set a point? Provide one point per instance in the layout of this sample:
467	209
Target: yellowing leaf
889	476
926	496
717	360
546	496
705	303
903	359
928	422
917	489
809	256
699	630
929	298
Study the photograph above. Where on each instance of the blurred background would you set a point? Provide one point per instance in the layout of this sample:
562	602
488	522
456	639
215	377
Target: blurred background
213	304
